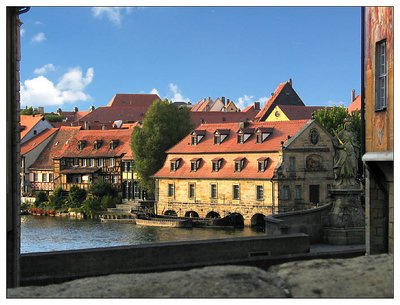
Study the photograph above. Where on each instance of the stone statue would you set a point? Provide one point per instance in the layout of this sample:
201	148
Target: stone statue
346	158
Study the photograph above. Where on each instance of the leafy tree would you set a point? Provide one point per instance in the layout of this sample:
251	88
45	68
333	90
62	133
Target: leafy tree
40	198
163	126
27	111
91	205
56	200
109	201
51	117
100	189
76	197
332	118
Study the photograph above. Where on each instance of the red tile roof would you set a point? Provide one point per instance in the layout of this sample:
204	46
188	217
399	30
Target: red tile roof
299	112
227	171
355	105
27	122
123	136
136	100
127	114
37	140
272	101
55	147
221	117
281	131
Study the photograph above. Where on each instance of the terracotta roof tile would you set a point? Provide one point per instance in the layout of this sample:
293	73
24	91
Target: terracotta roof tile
37	140
270	101
108	115
355	105
27	122
135	100
221	117
281	131
299	112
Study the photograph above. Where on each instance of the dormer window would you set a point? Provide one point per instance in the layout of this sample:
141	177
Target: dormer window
174	165
97	144
244	134
197	136
220	135
239	164
114	144
195	164
262	164
216	164
81	144
263	133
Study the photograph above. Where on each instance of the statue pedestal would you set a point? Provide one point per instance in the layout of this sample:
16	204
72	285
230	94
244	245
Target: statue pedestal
346	221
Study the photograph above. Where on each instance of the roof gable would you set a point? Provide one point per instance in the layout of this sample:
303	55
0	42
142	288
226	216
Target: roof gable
28	122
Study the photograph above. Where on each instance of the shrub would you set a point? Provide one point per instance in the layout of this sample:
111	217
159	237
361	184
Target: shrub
100	189
76	197
40	198
56	200
91	205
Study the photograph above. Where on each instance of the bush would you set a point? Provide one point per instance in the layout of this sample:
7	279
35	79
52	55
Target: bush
91	205
76	197
100	189
56	200
40	198
109	201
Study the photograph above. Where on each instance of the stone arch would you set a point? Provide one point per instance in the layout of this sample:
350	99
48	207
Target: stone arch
236	219
258	220
191	214
170	213
213	214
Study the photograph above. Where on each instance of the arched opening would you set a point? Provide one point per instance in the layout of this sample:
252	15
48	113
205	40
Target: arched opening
170	213
191	214
236	219
258	220
213	214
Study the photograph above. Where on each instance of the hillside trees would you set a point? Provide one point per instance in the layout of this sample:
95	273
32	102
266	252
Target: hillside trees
163	126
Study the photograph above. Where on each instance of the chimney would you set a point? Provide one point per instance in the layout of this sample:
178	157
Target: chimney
75	109
228	101
353	95
290	82
256	105
223	99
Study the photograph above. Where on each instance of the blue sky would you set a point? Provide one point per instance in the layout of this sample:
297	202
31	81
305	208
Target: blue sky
82	56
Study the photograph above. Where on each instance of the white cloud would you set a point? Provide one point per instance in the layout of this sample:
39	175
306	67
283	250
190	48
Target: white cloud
22	32
113	14
154	91
41	91
45	69
244	101
331	103
175	94
39	37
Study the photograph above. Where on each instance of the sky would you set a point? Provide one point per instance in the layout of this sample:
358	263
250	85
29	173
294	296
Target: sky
83	56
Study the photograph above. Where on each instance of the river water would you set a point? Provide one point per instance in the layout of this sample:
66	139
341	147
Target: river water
44	234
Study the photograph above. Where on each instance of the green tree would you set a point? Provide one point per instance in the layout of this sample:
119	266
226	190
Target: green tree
56	200
163	126
27	111
51	117
100	189
40	198
76	197
91	205
332	118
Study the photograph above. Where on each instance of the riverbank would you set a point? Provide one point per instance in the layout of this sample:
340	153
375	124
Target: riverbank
359	277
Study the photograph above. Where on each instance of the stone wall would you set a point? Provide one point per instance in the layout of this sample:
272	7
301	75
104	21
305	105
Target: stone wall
310	222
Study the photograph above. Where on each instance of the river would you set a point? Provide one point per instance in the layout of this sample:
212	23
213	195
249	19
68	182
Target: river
44	234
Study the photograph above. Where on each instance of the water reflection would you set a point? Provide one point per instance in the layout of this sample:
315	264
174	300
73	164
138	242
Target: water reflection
43	234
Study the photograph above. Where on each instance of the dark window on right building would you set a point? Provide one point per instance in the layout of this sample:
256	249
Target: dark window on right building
380	71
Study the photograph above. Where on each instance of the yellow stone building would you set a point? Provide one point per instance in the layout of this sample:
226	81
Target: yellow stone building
248	169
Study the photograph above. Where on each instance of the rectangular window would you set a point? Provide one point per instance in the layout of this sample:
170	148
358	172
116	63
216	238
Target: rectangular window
192	190
216	165
92	162
35	177
115	179
213	191
194	140
260	192
240	139
217	139
100	162
111	162
44	177
380	71
75	162
286	192
297	192
170	190
84	163
51	179
236	191
292	164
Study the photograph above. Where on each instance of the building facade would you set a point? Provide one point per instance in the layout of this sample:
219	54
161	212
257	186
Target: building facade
248	169
378	122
